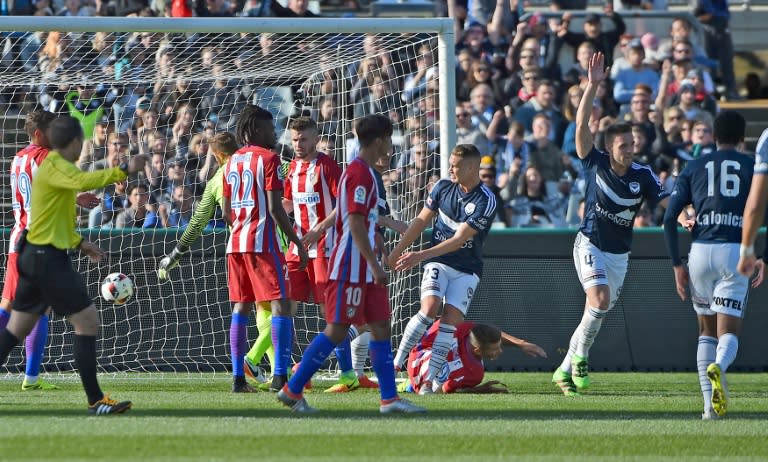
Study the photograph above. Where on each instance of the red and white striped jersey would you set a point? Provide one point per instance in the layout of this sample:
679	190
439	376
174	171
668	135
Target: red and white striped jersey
312	187
358	194
249	173
23	170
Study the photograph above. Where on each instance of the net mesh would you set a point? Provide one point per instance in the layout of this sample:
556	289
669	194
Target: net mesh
165	95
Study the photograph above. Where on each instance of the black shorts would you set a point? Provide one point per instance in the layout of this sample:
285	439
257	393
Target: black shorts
46	278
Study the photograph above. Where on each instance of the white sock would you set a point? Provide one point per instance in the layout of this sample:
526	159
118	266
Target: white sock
30	379
589	327
360	352
705	355
414	330
440	348
727	347
565	366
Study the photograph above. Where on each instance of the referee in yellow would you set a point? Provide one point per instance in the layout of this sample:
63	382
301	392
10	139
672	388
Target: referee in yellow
46	275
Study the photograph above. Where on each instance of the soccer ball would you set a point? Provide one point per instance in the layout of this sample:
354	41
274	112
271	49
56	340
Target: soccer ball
117	288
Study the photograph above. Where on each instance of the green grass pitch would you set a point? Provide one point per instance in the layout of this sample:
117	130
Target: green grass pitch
627	416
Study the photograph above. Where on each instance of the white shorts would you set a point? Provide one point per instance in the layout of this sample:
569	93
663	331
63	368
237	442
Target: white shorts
596	268
716	286
452	286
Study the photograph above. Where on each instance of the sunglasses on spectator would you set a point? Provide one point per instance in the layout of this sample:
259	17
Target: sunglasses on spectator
702	130
676	117
526	56
463	114
487	176
529	77
482	69
682	50
117	143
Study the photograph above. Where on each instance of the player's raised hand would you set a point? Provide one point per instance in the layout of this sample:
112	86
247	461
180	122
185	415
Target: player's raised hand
596	70
93	251
681	281
87	200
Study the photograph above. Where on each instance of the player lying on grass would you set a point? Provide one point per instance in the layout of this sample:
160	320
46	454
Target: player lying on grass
464	369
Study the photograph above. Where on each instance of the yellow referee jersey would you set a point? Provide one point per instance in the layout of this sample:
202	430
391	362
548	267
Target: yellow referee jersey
54	190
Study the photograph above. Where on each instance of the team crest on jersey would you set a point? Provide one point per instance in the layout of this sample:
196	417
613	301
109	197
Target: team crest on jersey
360	194
351	311
634	187
469	208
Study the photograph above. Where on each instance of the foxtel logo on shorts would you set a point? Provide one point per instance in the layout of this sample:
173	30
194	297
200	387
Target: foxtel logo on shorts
727	303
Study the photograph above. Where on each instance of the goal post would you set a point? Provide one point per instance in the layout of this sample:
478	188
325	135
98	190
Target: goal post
195	75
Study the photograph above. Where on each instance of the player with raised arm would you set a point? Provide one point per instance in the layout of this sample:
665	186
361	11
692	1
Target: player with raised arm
356	292
717	186
615	189
754	211
22	173
471	344
46	276
253	205
465	208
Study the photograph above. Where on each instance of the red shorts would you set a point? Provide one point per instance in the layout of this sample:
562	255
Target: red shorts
256	277
348	303
310	281
11	277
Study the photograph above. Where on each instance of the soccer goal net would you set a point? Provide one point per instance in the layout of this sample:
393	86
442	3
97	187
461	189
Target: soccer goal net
164	87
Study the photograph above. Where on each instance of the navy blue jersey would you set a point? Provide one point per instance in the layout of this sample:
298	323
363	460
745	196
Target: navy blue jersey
476	208
611	201
717	185
383	204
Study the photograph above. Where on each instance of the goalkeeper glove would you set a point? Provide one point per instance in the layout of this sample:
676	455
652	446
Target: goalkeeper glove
168	263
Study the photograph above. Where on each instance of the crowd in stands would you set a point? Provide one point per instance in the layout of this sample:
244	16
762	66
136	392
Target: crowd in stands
516	99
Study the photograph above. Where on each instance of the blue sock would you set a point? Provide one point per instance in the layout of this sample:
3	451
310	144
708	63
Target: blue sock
384	366
344	355
314	357
35	346
4	317
238	335
282	340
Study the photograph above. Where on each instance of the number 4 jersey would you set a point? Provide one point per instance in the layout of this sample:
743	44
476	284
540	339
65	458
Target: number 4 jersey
22	172
248	175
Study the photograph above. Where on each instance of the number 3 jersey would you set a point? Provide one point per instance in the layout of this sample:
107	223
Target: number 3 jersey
717	185
249	173
612	201
22	172
477	208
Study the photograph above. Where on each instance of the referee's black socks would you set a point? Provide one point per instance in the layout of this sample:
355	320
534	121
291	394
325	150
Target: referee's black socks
85	360
7	343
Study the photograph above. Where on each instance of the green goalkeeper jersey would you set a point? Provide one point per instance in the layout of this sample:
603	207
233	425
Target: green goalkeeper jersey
212	196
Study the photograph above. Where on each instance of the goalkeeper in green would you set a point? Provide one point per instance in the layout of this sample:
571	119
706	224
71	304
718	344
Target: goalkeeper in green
222	146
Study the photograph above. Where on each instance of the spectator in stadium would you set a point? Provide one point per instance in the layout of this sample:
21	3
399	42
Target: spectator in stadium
474	38
415	84
183	129
603	41
703	100
529	81
222	101
628	79
642	152
578	72
682	52
114	199
543	102
714	16
528	202
481	106
669	137
686	101
74	8
535	44
149	124
639	111
381	99
96	148
488	177
621	62
514	150
56	57
117	153
481	72
547	157
213	8
472	344
468	133
140	214
30	48
601	249
182	206
295	9
197	151
327	118
88	103
570	103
